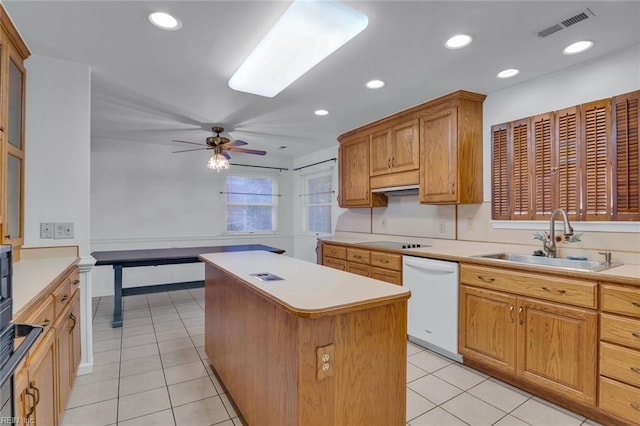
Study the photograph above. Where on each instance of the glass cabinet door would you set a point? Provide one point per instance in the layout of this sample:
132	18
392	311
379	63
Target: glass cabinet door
14	200
14	124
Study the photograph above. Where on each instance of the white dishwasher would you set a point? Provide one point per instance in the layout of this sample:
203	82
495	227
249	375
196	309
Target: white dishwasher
433	305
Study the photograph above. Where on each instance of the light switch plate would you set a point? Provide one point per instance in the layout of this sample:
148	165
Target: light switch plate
46	230
63	230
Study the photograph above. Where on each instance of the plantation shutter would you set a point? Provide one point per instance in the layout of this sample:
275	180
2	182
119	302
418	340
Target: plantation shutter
543	166
597	172
520	177
499	173
626	185
567	165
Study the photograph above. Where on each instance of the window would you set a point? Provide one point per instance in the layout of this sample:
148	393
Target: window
316	202
251	203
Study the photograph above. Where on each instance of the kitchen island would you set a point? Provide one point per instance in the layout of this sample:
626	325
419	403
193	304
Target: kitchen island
317	347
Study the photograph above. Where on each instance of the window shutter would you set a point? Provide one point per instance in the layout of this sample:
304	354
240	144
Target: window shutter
596	187
520	174
626	185
542	160
567	167
499	173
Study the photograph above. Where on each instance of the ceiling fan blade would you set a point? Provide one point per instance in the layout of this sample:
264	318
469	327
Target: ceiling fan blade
192	143
226	155
246	151
194	149
237	142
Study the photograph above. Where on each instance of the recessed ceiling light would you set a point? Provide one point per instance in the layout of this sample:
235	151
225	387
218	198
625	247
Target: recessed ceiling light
458	41
321	112
508	73
165	21
375	84
577	47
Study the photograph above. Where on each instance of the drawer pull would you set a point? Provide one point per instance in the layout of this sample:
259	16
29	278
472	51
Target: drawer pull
75	282
635	406
636	334
520	315
357	257
511	313
384	261
637	304
46	323
75	321
550	290
64	298
635	369
486	279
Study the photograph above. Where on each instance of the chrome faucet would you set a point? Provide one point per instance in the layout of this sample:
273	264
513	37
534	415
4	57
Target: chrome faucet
550	245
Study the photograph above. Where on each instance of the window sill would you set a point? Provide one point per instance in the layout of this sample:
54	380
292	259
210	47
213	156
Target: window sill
542	225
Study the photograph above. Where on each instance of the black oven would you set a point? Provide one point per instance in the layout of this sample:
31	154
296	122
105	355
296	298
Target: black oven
10	356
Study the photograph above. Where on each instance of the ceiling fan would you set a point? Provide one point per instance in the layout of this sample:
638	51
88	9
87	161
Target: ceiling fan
220	145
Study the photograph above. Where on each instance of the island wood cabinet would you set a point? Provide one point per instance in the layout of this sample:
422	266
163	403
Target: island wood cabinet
13	51
355	189
44	380
451	150
380	265
619	390
531	327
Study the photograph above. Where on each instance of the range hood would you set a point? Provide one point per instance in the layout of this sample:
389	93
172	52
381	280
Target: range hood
398	190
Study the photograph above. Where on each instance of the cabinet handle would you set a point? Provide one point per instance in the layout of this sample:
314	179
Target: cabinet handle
388	163
75	321
511	313
393	161
635	406
520	315
64	298
32	407
357	257
46	322
550	290
635	369
75	282
636	304
384	261
486	279
32	385
636	334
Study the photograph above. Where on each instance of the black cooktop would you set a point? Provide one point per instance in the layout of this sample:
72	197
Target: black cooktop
398	245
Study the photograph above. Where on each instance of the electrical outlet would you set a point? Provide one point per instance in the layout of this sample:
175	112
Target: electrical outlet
469	224
442	226
46	230
325	362
63	230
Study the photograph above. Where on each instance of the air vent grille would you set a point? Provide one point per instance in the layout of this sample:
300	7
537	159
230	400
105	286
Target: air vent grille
579	17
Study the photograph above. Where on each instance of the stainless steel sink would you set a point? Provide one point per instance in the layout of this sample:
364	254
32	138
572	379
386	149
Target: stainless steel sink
579	265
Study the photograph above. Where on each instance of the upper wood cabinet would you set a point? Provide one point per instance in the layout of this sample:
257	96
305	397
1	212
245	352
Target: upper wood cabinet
13	52
582	159
451	150
354	154
437	145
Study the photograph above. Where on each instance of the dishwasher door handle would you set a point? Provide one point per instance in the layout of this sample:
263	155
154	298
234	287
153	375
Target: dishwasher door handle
431	268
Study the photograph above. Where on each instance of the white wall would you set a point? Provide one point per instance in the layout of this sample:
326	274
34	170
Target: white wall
144	196
606	77
57	133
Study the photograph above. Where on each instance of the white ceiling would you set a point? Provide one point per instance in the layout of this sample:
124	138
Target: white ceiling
152	86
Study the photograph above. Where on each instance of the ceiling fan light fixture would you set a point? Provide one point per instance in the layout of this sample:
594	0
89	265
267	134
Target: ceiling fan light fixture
218	162
165	21
305	34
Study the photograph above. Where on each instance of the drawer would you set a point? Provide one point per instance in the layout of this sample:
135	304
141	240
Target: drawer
620	399
552	288
623	331
331	250
44	315
358	268
622	300
61	297
358	255
386	260
335	263
620	363
393	277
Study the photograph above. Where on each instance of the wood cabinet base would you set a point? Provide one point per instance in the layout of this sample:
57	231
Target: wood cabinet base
271	360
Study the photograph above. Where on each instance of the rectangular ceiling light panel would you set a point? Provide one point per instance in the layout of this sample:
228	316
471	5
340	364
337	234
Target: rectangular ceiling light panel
306	33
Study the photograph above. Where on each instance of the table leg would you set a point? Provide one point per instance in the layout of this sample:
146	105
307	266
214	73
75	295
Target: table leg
117	296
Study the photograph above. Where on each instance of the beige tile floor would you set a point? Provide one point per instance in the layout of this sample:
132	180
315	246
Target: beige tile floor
153	371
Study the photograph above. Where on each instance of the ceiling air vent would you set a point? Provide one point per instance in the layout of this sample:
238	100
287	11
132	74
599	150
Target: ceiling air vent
579	17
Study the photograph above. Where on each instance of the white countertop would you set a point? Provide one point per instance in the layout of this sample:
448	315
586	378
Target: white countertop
306	288
36	270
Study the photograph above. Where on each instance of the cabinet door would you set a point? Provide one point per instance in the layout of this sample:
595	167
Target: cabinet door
381	153
557	348
24	399
405	142
42	367
354	176
488	328
74	331
63	359
439	157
